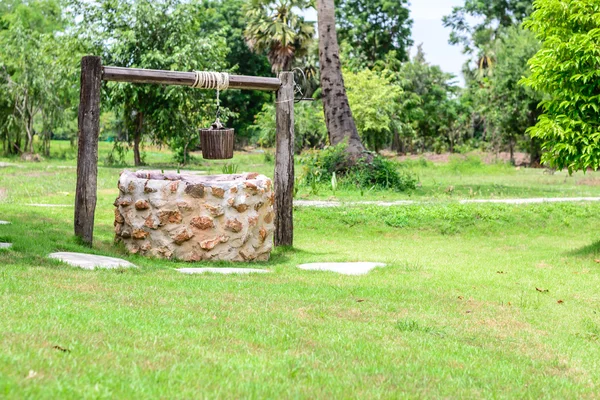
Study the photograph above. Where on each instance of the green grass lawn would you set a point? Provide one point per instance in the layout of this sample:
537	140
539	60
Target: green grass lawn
477	301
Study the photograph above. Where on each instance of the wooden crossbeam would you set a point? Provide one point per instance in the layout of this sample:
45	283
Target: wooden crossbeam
137	75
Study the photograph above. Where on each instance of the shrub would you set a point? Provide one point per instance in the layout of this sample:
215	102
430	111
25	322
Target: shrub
309	126
566	70
319	166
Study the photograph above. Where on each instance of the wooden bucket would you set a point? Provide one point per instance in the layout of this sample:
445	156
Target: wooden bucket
217	144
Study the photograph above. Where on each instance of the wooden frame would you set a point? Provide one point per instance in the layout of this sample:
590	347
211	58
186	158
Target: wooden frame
92	75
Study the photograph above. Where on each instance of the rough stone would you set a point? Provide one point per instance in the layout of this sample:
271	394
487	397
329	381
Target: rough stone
202	223
124	202
215	211
356	268
224	271
182	236
234	225
211	244
142	205
140	234
118	217
169	217
90	261
195	191
218	192
196	218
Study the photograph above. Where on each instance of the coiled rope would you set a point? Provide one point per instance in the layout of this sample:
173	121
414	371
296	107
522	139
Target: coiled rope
211	80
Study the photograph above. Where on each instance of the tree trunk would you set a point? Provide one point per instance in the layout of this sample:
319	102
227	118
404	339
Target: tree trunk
29	135
137	138
511	146
338	116
396	142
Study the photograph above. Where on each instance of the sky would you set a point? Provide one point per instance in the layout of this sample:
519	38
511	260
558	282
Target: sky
429	30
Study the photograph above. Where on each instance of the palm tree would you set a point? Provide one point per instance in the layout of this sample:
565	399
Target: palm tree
338	116
275	29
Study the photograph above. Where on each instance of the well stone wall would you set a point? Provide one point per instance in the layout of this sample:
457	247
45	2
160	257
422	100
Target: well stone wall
195	218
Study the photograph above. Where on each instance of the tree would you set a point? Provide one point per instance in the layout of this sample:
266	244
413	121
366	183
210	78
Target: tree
370	29
229	18
434	88
491	17
566	70
34	72
510	107
167	35
375	102
273	27
309	126
338	116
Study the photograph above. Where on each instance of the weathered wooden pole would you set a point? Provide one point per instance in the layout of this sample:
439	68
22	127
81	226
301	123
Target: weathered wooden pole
87	153
284	162
138	75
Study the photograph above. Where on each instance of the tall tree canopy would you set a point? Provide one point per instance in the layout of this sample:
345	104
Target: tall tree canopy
566	69
490	16
229	18
370	29
275	28
512	108
35	70
157	34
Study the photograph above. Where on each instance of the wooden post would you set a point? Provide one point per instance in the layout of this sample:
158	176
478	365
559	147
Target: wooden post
87	153
284	162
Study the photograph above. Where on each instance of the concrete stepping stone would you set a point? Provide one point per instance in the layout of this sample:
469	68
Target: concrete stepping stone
355	268
223	271
90	261
5	246
4	223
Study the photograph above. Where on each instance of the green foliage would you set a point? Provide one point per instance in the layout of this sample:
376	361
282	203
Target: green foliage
37	64
309	126
276	28
334	161
490	17
230	169
430	112
510	108
228	18
566	69
374	101
163	35
369	30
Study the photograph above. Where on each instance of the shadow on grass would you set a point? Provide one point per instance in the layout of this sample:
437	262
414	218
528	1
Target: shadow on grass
586	251
37	233
285	254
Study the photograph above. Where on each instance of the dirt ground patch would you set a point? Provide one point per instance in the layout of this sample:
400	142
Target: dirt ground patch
589	182
521	159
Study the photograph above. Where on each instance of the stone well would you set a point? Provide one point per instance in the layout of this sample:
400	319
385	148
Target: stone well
194	218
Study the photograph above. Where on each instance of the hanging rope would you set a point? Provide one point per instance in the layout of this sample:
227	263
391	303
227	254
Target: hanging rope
213	80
